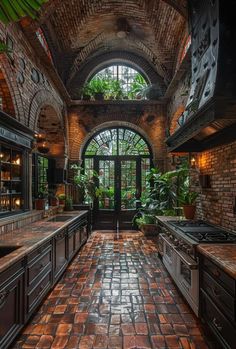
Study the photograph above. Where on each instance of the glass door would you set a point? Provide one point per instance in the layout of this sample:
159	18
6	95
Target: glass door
128	191
106	205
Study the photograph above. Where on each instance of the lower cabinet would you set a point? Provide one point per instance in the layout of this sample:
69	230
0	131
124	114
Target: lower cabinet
11	303
60	254
39	276
24	284
218	304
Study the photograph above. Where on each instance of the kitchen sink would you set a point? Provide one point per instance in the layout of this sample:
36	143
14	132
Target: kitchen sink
5	250
59	219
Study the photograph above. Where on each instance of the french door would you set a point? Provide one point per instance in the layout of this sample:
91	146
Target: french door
120	185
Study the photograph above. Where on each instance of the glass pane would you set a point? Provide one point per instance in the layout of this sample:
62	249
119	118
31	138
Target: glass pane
107	184
88	169
128	185
145	168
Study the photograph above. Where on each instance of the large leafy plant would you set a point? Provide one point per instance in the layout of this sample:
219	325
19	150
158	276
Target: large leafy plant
161	197
14	10
86	183
186	195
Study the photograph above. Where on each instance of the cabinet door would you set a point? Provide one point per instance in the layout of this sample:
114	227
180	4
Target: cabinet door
84	233
11	308
70	244
60	260
77	239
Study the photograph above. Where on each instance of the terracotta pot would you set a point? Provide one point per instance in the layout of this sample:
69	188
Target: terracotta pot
149	229
54	202
40	204
189	211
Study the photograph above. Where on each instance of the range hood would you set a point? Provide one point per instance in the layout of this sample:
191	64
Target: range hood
210	115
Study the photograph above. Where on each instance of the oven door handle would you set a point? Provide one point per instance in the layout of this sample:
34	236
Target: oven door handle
191	264
167	241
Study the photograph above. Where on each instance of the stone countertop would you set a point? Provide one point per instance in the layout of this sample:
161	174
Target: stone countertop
224	255
29	237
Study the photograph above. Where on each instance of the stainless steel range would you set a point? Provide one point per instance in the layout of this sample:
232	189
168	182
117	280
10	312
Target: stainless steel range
177	245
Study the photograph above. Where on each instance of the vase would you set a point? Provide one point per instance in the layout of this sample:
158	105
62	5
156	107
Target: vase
189	211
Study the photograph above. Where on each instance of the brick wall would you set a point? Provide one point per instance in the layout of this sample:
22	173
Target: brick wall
83	120
216	204
26	96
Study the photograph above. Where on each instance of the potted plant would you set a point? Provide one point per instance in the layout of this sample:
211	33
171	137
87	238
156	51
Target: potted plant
41	199
68	203
86	92
62	198
147	224
188	199
137	86
98	88
53	200
86	184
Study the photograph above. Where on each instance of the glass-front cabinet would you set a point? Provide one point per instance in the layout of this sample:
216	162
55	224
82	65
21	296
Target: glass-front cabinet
11	164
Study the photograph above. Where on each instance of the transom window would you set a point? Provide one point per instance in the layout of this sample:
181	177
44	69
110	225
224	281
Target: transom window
128	77
117	141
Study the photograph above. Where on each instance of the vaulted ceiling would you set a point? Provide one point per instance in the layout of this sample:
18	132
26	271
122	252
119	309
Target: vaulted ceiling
79	32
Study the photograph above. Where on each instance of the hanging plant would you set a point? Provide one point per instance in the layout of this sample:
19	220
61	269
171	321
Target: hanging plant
13	11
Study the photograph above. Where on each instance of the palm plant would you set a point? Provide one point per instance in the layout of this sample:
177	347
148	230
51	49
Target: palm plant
137	87
13	11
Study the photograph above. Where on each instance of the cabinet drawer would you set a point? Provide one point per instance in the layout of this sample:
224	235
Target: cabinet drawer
219	295
217	273
222	328
36	294
35	254
38	266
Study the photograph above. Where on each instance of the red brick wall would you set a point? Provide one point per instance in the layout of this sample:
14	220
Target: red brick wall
216	204
27	98
149	118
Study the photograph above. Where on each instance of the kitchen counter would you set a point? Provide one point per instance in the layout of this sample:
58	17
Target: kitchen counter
29	237
224	255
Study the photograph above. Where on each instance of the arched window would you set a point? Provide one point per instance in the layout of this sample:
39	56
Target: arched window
117	141
124	80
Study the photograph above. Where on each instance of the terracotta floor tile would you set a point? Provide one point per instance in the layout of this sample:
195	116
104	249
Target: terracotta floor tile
116	294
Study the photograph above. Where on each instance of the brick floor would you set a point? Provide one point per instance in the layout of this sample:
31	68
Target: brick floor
115	294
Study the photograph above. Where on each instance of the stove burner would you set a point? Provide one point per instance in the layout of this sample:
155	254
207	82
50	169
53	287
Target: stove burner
201	231
214	236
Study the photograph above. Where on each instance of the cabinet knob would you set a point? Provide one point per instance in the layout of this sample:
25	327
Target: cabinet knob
3	297
214	321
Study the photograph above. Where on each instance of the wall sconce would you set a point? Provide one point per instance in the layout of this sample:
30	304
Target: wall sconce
193	161
42	145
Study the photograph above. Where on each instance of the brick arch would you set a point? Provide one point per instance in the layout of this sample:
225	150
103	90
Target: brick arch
110	124
40	99
51	122
135	60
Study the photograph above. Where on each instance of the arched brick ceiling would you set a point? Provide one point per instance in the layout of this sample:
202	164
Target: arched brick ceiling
77	29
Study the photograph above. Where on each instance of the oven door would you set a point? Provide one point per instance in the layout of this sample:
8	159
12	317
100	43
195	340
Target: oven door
169	255
187	274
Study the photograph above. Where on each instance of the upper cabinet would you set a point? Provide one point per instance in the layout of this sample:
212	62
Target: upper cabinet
209	118
15	145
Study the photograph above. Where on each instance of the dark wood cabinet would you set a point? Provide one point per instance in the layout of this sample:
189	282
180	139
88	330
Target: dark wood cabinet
218	303
24	285
60	253
11	303
38	276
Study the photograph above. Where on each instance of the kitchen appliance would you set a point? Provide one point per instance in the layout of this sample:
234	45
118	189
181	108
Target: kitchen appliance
177	245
